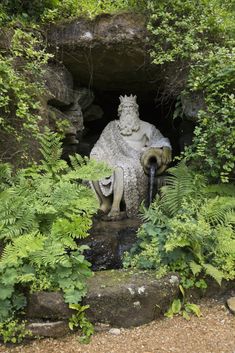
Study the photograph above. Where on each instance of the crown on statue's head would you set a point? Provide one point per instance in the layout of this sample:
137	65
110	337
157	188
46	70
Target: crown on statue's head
125	99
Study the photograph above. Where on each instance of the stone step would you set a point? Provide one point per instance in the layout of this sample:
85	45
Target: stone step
125	298
119	298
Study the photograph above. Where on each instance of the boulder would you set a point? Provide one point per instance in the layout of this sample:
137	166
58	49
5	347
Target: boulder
59	84
231	304
47	305
125	298
118	298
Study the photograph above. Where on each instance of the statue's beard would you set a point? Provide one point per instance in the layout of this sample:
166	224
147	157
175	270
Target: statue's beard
128	123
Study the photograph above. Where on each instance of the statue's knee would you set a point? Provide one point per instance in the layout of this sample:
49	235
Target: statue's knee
118	172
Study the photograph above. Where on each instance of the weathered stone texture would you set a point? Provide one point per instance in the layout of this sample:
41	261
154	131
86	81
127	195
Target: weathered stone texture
124	298
55	329
47	305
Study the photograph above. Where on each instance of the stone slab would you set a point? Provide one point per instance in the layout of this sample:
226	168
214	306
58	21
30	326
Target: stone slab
125	298
49	329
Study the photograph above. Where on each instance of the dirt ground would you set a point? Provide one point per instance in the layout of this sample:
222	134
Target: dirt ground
214	332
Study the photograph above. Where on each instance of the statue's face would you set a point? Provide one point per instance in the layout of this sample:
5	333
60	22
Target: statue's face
129	119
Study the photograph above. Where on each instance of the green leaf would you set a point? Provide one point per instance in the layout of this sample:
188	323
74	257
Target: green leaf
196	268
6	292
214	272
193	308
185	315
169	313
182	290
176	306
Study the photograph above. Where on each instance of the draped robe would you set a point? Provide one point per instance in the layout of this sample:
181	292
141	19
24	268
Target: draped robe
116	152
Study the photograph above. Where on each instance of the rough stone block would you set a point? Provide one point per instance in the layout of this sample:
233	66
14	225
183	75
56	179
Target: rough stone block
47	305
125	298
49	329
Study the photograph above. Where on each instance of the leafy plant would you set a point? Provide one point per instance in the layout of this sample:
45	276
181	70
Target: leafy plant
198	37
195	239
182	307
14	331
79	320
44	211
21	85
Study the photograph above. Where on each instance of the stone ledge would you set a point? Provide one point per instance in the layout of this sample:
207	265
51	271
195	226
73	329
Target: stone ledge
125	298
121	298
117	298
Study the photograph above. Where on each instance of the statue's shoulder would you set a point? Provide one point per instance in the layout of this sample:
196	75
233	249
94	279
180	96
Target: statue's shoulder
147	126
110	126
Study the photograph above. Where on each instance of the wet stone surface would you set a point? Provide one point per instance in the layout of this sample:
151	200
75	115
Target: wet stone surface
108	241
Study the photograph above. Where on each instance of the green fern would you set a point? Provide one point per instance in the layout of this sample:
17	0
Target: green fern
21	247
181	184
216	210
5	176
188	231
44	209
214	272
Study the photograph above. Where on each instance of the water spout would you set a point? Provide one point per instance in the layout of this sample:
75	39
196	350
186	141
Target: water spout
152	173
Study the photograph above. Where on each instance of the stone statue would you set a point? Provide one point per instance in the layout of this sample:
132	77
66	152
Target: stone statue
128	145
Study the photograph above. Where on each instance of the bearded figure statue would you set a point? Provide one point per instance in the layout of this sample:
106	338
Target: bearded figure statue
128	145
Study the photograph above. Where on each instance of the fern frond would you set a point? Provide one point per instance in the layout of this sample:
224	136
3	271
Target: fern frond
216	210
22	247
53	253
213	272
5	176
195	268
181	183
226	240
87	169
51	150
16	216
229	218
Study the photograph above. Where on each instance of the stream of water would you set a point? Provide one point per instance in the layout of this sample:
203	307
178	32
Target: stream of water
152	173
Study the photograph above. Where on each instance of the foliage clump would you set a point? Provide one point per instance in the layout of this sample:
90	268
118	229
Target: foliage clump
22	68
188	230
198	36
44	210
55	10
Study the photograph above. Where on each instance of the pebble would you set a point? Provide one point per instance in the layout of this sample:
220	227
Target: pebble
115	331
